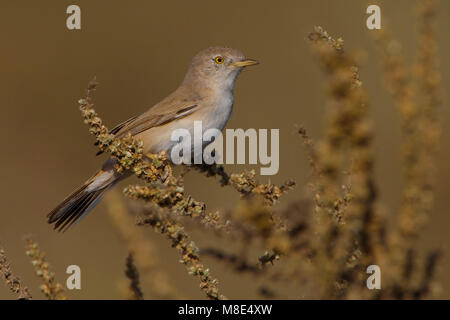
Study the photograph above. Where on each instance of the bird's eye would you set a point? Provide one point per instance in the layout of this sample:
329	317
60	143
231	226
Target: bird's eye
219	60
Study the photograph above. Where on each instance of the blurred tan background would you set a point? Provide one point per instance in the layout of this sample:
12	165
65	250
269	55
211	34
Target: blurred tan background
139	52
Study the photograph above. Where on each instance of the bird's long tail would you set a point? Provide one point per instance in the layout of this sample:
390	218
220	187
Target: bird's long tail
73	208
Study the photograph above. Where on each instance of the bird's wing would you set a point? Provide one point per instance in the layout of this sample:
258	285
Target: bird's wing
152	118
121	125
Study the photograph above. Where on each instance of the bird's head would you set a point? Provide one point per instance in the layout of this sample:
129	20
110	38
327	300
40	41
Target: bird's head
217	67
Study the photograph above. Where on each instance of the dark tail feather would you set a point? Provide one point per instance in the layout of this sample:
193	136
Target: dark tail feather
75	207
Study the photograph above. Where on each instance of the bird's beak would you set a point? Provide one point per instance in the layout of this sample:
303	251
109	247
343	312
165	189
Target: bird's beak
244	63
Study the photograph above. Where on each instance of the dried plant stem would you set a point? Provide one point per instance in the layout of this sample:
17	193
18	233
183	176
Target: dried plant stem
419	120
348	136
246	184
133	275
188	250
51	289
13	283
420	128
428	78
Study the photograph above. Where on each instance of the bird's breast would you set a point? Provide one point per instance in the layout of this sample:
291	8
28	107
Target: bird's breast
219	111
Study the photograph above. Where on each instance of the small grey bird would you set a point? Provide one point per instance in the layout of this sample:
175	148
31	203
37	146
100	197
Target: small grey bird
206	94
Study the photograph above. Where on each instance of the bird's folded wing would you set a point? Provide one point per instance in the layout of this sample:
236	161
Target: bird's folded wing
121	125
147	120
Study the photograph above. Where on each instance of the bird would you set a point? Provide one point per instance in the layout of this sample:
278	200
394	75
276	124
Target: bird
206	94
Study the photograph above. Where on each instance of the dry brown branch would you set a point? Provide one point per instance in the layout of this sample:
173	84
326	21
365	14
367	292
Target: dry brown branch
13	283
133	275
345	149
51	289
420	126
189	252
420	129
